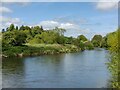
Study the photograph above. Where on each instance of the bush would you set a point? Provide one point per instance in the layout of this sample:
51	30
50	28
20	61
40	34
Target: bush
89	45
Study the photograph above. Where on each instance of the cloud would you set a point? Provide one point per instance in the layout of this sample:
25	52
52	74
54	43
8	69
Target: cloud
72	29
6	21
67	25
102	5
52	24
49	24
5	10
71	19
9	20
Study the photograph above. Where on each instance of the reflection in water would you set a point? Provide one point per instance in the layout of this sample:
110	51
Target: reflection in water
13	71
78	70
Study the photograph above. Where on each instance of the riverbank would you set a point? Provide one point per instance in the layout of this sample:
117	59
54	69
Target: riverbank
38	49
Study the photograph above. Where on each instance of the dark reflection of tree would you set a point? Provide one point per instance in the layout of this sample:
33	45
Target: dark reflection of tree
54	59
12	71
53	63
12	65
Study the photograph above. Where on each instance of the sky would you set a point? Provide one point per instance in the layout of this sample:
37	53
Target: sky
88	18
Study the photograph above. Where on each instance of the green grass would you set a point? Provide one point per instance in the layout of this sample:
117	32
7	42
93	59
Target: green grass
38	49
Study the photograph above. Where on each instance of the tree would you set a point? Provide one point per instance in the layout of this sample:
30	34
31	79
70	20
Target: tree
60	39
82	38
22	27
14	38
68	40
82	45
28	34
16	28
3	30
76	42
47	37
41	28
61	31
97	40
36	30
11	28
104	42
20	38
27	28
89	45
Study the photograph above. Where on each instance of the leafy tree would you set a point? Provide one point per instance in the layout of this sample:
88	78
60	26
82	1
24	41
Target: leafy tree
28	34
61	31
60	39
7	29
11	28
113	65
104	42
82	45
89	45
20	38
27	28
69	40
82	38
36	30
37	39
97	40
22	27
16	28
79	41
7	38
76	42
3	30
41	28
47	37
14	38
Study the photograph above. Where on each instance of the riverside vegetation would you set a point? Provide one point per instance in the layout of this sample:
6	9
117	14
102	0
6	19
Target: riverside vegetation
31	41
26	41
114	63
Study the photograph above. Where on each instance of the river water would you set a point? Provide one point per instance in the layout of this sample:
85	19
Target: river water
85	69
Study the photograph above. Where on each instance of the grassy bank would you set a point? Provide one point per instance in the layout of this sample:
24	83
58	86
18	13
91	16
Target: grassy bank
38	49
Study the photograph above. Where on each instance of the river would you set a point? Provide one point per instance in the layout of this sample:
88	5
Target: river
85	69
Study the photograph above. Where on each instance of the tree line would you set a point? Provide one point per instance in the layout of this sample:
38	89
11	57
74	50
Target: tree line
18	36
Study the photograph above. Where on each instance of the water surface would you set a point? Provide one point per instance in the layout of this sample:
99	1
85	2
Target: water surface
85	69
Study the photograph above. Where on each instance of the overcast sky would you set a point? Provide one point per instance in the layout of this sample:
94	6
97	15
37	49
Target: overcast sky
86	18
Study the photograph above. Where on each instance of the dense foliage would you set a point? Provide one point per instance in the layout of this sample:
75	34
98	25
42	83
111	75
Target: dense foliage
97	40
104	42
15	36
113	41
